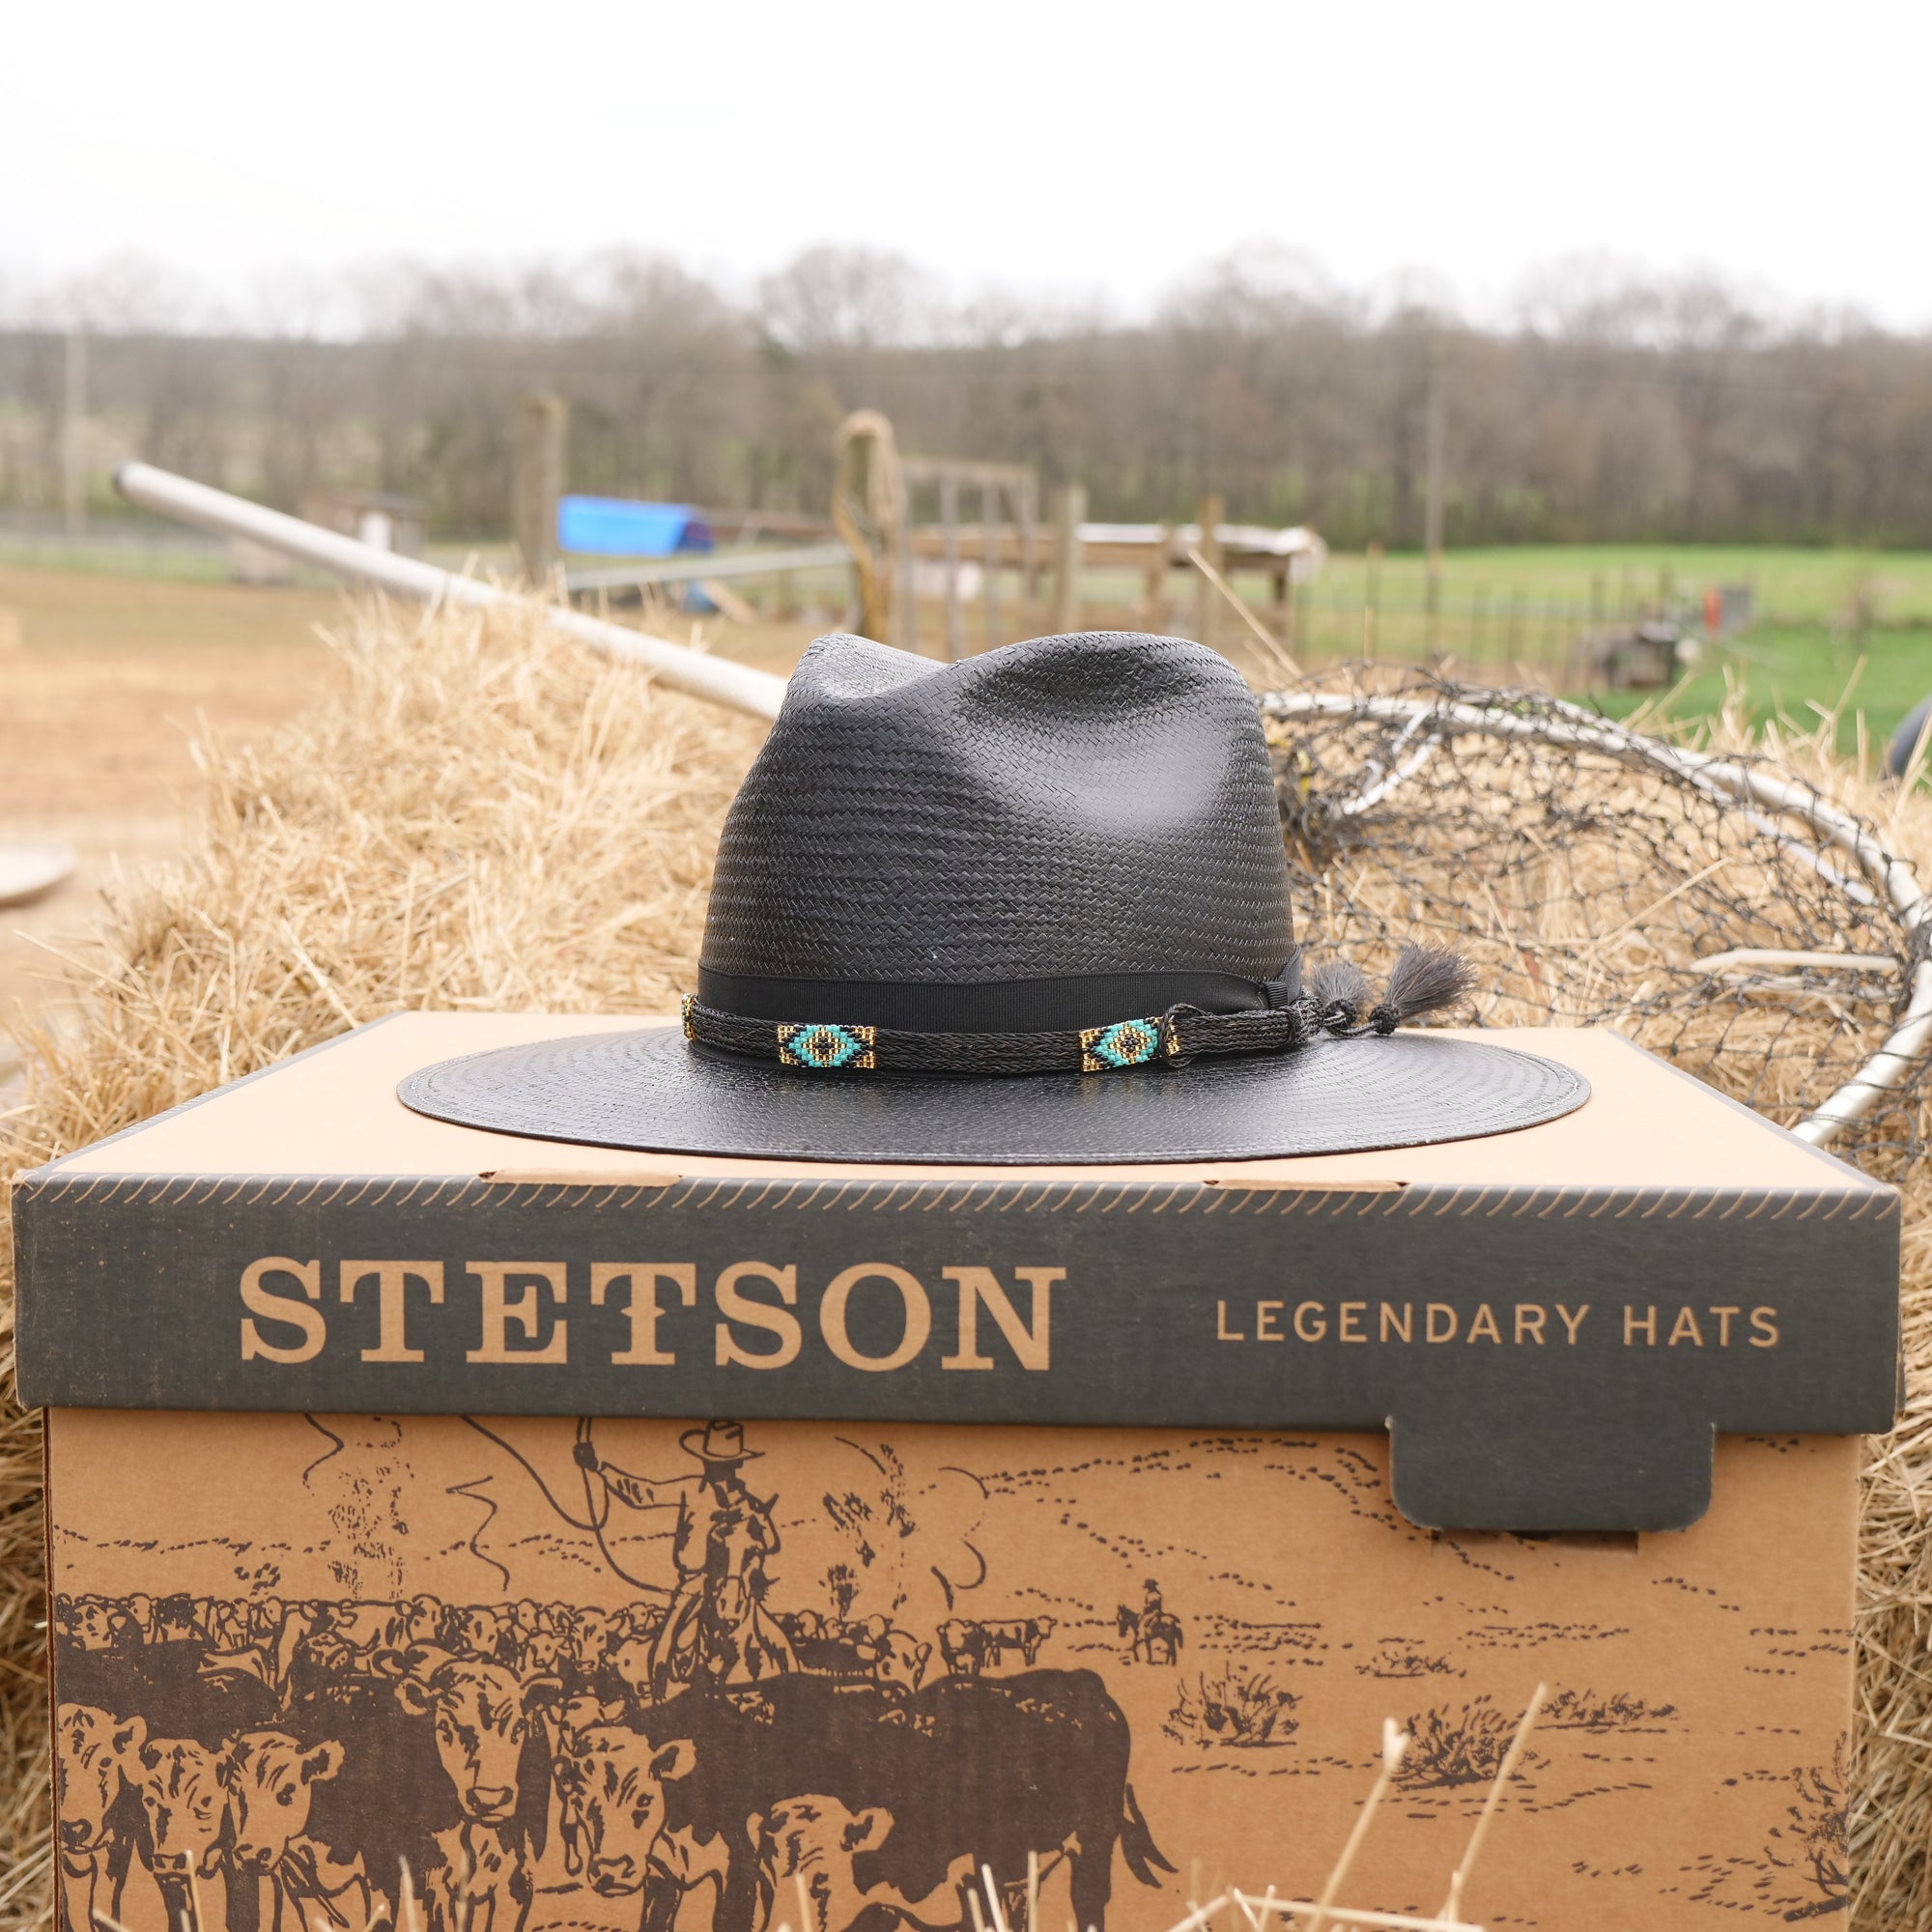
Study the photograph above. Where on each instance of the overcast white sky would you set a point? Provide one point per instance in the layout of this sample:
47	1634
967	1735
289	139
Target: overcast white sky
1078	149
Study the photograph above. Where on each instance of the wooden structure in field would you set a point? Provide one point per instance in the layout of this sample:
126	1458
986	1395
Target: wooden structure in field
1004	538
1153	552
902	562
902	521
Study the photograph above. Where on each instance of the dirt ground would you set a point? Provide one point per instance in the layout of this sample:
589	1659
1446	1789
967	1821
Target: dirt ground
105	685
106	682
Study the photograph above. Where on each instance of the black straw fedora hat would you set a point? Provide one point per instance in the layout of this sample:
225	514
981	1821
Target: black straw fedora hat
1029	908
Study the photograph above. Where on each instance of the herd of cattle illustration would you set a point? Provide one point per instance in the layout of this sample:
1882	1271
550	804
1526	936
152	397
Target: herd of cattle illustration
340	1766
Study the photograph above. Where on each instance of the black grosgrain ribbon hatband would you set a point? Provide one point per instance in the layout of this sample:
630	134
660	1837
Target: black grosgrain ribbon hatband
1174	1036
1422	981
1061	1004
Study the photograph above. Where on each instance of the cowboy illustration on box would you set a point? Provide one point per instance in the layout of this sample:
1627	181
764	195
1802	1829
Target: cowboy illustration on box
494	1756
717	1630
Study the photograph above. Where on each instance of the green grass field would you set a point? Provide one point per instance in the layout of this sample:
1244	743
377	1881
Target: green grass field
1800	673
1822	617
1820	586
1827	622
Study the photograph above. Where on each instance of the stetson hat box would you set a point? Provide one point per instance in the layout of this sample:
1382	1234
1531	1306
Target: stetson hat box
931	1434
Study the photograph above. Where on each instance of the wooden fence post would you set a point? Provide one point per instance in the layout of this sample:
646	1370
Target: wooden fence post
992	510
1160	582
537	481
949	518
1208	513
1029	519
73	432
1434	436
905	588
869	511
1070	512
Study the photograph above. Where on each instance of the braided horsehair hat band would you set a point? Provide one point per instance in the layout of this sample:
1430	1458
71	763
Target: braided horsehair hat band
1032	907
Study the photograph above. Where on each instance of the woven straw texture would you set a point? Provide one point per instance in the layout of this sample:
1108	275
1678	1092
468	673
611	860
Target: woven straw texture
1099	803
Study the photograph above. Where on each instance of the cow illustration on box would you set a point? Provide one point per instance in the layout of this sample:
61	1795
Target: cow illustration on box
340	1762
523	1675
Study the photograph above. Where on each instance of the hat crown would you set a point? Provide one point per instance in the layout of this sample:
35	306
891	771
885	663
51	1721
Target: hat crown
1094	806
717	1442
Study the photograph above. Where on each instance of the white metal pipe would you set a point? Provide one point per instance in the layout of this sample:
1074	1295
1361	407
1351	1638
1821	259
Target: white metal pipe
1748	958
1909	1040
719	680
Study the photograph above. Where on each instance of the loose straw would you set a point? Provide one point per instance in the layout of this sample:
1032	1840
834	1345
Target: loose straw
1394	1743
1349	1915
1452	1906
1268	637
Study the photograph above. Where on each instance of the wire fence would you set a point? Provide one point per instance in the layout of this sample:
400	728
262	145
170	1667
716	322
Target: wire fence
1504	625
1722	909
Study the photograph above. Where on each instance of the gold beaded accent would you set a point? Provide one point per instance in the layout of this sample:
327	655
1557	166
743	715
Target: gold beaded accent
1125	1044
828	1048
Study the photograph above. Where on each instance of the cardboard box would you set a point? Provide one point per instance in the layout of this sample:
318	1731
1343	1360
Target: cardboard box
1098	1513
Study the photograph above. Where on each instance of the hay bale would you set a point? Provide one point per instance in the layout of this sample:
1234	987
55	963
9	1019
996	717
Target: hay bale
486	818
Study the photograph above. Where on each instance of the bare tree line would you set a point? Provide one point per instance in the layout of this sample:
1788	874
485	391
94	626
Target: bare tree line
1609	407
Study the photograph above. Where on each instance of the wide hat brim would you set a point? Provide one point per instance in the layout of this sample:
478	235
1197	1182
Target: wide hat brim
651	1090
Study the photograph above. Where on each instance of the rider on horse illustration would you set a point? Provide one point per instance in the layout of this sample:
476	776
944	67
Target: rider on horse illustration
1152	1631
717	1628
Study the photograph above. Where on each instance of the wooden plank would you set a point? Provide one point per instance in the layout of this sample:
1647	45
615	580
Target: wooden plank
1029	520
1431	510
704	564
1209	514
748	525
536	480
948	528
1069	513
727	602
1159	582
962	470
929	540
992	529
905	597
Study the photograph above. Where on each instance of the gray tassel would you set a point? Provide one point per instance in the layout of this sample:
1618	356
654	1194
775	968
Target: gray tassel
1424	980
1339	987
